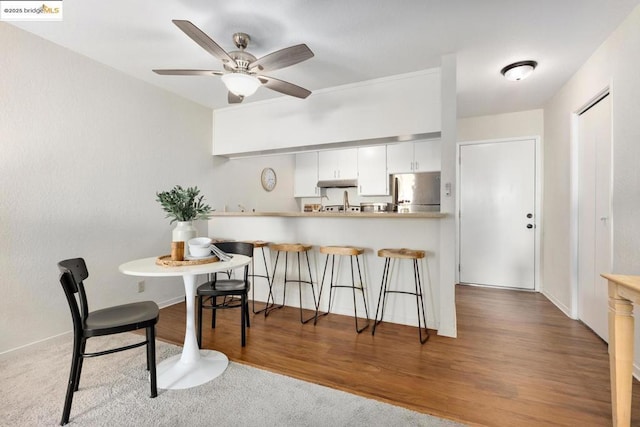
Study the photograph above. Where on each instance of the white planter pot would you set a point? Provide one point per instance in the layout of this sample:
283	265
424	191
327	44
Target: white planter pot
183	232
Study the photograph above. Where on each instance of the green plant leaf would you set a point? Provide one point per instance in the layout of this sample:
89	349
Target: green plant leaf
182	204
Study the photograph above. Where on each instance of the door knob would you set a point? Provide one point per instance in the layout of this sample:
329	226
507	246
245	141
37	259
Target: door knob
529	225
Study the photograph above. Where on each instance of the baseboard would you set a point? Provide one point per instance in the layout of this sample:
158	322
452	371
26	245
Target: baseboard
68	334
566	310
636	372
37	344
170	302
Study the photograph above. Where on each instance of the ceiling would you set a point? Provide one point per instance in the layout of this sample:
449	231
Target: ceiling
353	40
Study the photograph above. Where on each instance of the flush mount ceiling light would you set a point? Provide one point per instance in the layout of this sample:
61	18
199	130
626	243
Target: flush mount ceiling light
241	84
518	70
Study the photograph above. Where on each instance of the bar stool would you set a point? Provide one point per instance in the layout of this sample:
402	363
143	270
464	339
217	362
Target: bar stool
293	248
351	252
414	255
261	244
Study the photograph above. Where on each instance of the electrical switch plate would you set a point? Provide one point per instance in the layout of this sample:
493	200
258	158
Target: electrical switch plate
447	189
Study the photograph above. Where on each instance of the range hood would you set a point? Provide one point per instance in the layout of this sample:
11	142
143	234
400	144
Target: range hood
337	183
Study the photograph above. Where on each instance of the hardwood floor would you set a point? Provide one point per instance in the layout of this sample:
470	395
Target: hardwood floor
517	361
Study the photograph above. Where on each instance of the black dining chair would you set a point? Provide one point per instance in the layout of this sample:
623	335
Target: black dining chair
209	292
108	321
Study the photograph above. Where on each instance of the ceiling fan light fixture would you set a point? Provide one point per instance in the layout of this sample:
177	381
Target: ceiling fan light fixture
241	84
519	70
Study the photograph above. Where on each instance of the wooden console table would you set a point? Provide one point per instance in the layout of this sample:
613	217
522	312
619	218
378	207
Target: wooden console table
623	292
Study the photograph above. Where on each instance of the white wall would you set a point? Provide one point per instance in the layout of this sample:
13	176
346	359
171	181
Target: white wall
614	64
447	245
83	149
400	105
500	126
240	179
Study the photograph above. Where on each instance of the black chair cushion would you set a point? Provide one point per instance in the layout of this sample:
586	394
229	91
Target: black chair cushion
223	287
127	317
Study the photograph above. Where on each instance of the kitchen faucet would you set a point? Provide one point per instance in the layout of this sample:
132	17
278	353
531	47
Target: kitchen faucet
345	201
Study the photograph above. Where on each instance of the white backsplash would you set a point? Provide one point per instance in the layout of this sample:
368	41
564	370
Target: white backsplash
334	196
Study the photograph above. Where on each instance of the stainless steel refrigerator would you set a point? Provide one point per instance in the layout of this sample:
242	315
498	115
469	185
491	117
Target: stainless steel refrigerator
416	192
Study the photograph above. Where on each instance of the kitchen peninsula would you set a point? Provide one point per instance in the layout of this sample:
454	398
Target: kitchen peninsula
371	231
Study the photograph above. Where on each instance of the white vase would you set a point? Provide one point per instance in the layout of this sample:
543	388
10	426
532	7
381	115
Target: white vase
183	232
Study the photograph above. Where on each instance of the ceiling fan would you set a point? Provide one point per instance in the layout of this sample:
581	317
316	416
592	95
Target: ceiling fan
243	73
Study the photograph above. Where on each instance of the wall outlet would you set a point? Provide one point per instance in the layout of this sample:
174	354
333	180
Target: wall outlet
141	286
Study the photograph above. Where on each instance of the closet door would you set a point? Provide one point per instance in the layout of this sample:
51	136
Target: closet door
594	214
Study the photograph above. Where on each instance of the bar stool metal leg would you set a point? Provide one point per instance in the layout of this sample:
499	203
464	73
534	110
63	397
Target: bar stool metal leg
270	307
383	294
265	276
313	292
324	272
420	303
364	299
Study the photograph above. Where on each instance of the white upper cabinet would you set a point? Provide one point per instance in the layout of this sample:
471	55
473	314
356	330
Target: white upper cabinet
305	179
408	157
338	164
373	179
400	157
427	155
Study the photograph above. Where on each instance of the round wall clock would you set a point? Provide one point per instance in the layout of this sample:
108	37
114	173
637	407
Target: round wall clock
268	179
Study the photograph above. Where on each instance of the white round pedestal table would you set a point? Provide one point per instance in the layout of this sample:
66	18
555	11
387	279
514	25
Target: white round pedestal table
194	366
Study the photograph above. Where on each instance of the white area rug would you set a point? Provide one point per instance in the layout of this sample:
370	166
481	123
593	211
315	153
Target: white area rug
114	391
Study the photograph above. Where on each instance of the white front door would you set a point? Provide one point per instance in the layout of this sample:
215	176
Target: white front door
594	218
497	213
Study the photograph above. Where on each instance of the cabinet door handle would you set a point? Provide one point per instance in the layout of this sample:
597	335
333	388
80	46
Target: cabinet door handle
417	166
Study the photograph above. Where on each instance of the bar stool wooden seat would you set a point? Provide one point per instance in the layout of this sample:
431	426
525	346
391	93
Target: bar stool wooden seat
290	248
259	244
401	254
351	252
215	240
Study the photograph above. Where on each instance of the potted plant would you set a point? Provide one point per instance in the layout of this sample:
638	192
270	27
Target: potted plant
184	206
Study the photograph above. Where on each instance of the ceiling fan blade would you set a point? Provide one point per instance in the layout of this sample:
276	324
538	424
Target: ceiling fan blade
188	72
282	58
198	36
234	99
284	87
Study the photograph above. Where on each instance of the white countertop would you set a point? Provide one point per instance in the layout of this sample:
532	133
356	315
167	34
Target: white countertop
380	215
